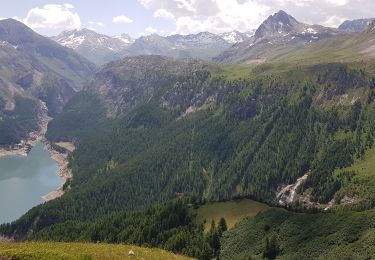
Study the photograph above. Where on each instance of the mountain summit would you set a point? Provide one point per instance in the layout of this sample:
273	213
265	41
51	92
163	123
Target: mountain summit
278	31
279	23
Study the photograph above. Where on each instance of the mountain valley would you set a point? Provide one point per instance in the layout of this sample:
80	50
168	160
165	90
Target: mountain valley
255	145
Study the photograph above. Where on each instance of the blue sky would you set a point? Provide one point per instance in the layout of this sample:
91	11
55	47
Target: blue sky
139	17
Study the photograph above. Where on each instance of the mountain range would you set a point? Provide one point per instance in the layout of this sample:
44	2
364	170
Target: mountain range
97	48
278	31
170	125
101	49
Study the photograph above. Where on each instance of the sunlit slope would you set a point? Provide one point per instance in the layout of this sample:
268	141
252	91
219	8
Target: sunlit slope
231	211
80	251
349	48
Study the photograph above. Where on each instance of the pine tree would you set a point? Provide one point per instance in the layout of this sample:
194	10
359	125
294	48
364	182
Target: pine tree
222	226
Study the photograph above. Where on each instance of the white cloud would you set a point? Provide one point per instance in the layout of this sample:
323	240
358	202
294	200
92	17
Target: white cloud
122	19
53	16
337	2
162	13
333	21
151	30
300	3
96	24
216	16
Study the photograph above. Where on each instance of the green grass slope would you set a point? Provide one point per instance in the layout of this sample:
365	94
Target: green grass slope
232	211
84	251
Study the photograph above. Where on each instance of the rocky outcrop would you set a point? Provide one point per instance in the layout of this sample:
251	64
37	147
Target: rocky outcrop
358	25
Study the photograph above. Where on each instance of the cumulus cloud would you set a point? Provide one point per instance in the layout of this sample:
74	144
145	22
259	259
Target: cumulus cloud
151	30
192	16
300	3
122	19
337	2
218	16
53	16
96	24
162	13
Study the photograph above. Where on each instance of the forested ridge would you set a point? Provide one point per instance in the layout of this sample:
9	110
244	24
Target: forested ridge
16	124
201	133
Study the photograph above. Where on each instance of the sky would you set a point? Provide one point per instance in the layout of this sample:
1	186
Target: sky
165	17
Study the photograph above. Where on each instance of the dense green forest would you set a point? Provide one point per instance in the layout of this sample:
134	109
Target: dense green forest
340	235
15	124
170	225
244	138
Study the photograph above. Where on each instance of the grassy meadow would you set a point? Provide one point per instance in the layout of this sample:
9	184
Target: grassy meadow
47	251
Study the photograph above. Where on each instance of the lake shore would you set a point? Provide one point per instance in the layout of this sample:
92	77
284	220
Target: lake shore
36	137
13	152
64	172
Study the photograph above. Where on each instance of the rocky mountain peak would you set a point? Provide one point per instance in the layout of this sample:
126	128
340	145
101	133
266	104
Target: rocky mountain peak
279	23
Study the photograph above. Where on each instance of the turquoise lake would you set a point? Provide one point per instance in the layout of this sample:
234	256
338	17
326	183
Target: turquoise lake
23	180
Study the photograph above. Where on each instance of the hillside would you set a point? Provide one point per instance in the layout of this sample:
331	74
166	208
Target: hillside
33	70
66	251
145	121
341	235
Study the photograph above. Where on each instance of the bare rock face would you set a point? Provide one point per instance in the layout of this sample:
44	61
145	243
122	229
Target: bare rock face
358	25
289	194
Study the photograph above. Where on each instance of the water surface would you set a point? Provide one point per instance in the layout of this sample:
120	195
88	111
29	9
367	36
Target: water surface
23	180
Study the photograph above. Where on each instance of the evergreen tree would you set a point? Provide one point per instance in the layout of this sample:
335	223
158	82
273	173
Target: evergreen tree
222	226
272	248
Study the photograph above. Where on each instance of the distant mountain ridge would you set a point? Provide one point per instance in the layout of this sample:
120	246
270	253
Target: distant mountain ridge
279	30
203	45
98	48
358	25
101	49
